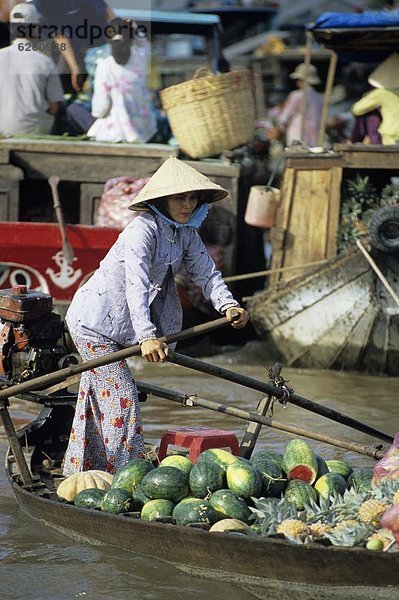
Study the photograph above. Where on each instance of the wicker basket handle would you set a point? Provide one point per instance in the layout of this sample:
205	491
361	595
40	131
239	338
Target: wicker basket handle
203	72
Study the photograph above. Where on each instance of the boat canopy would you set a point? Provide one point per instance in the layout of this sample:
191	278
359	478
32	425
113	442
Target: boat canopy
366	37
159	22
166	22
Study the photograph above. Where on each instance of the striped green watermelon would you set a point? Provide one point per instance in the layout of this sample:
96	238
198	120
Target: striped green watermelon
131	474
140	498
330	484
299	461
299	493
339	466
244	479
322	467
155	509
266	454
360	479
206	477
194	510
166	482
178	461
273	480
89	498
117	500
229	504
219	456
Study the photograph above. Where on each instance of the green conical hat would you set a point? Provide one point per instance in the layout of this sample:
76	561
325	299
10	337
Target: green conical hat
176	177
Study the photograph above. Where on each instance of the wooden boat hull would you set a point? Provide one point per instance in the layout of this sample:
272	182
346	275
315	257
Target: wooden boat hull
339	316
263	566
45	267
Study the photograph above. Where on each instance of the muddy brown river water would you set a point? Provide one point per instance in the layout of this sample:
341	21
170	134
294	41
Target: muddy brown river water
37	563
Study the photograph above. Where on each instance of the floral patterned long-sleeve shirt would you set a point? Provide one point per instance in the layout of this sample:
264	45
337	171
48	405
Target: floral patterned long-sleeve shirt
121	101
132	296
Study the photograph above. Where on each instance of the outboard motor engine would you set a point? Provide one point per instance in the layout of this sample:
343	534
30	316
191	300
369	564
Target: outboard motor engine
29	336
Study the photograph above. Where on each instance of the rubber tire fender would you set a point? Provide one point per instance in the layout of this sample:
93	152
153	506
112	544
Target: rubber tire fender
384	229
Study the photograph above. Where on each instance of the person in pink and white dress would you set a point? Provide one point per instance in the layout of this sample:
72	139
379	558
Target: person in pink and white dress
121	109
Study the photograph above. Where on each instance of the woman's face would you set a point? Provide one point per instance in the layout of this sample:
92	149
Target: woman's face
180	207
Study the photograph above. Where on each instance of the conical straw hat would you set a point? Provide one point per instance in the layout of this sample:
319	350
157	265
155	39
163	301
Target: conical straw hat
386	75
307	73
176	177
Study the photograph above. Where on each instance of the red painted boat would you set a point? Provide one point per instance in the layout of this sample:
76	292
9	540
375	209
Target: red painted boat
31	254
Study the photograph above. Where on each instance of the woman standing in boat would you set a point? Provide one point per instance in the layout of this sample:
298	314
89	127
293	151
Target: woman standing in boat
132	298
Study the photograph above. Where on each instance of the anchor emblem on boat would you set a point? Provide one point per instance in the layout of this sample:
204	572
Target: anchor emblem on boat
66	275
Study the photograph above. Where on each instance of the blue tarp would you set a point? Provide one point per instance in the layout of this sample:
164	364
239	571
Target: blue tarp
369	19
366	37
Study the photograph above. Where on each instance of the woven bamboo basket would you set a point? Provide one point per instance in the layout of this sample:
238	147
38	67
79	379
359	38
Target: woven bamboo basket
211	113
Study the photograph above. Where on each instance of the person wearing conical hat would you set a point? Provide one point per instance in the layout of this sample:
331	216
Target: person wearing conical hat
290	118
385	97
132	298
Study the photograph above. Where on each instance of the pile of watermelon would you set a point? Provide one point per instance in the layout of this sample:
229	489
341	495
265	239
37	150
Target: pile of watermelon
221	486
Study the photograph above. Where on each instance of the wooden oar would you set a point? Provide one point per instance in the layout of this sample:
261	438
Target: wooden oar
378	272
254	417
67	250
255	274
278	392
45	381
51	378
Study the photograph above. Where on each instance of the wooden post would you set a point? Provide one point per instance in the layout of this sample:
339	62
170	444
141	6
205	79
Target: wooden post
14	444
304	104
252	432
327	97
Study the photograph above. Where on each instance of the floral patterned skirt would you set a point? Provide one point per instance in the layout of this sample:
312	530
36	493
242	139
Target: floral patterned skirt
107	431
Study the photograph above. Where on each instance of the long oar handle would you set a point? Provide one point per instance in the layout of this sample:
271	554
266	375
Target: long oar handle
266	388
67	249
254	417
44	381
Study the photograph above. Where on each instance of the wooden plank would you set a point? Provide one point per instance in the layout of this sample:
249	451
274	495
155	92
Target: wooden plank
90	194
393	346
280	229
356	344
160	151
316	229
331	335
83	168
315	336
271	307
307	223
334	208
312	161
374	360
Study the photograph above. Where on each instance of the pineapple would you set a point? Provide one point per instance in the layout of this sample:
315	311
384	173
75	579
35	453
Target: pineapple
318	530
371	511
347	506
387	490
357	206
270	512
350	535
293	528
346	524
390	195
362	191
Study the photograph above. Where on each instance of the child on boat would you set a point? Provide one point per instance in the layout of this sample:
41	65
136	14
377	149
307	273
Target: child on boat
132	298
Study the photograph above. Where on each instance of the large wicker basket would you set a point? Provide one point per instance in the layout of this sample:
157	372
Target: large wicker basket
211	113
